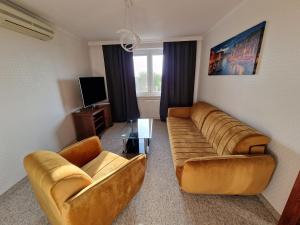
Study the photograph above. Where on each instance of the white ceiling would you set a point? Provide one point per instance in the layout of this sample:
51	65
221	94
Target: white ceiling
153	19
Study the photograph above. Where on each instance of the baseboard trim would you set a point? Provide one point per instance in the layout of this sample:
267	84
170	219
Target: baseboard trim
269	207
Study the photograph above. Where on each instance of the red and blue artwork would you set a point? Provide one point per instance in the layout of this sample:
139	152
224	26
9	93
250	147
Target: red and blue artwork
238	55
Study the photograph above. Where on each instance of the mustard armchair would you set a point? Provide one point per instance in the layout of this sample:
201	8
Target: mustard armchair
83	184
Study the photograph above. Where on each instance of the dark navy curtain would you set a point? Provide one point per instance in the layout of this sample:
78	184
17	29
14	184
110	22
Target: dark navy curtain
120	83
178	76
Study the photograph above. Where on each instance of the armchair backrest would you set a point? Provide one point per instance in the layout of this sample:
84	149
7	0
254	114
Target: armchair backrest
83	151
54	180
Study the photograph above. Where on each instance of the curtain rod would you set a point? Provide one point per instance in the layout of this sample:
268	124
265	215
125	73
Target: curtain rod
148	41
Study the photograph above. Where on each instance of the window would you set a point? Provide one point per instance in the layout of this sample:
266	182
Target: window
140	72
148	71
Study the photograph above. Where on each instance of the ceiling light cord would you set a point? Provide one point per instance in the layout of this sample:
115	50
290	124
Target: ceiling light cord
129	39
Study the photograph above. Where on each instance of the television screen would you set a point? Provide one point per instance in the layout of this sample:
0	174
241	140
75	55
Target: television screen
92	90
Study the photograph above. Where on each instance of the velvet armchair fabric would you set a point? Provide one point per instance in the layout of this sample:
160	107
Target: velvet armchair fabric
91	195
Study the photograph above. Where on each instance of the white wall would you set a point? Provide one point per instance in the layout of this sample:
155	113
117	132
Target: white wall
268	101
97	60
38	91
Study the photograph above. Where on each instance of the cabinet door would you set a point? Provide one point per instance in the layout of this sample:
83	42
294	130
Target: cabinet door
84	126
107	116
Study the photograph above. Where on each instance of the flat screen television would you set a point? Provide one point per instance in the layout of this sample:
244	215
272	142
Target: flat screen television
92	90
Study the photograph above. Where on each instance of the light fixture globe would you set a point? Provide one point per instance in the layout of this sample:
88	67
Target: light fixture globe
129	40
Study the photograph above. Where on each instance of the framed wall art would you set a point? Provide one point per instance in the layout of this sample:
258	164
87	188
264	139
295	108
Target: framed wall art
238	55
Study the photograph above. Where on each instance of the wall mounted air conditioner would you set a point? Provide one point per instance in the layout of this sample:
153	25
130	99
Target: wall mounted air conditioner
18	19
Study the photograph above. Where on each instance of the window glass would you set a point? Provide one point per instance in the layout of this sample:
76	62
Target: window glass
157	64
148	65
141	73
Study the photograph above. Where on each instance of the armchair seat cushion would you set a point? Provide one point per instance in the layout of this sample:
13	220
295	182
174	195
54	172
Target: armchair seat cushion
104	164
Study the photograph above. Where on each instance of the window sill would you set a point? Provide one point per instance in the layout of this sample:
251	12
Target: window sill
148	97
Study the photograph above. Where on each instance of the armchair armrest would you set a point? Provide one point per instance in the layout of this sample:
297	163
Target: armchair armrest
82	152
54	180
182	112
100	202
231	174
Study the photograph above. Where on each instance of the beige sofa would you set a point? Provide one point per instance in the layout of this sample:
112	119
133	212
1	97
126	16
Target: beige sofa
214	153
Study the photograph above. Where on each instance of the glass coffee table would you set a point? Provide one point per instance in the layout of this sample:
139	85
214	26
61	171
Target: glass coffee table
136	136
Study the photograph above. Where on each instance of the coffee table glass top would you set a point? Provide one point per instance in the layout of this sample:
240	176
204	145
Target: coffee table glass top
136	136
142	129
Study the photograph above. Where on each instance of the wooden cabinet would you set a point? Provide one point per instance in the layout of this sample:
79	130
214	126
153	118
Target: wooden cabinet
92	121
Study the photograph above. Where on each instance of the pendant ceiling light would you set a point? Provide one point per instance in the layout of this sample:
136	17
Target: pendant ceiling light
128	38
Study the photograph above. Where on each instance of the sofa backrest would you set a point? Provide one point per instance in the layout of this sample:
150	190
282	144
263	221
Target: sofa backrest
226	134
200	111
53	181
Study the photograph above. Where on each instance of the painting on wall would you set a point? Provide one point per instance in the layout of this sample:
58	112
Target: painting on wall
238	55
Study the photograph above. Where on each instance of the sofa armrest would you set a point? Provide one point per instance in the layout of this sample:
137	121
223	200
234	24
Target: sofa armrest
182	112
232	174
82	152
102	201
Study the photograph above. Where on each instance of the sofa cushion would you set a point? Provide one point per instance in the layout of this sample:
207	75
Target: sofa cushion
230	136
180	158
180	154
104	164
188	143
200	111
178	127
176	122
186	132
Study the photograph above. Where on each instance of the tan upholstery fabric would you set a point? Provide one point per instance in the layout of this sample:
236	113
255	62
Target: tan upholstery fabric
82	152
102	165
186	141
183	112
102	201
213	134
92	195
230	175
54	180
200	111
230	136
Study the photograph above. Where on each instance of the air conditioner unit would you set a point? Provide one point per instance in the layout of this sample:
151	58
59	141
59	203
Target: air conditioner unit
18	19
